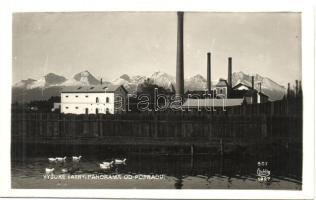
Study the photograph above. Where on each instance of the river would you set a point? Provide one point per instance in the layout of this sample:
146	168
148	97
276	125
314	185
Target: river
159	172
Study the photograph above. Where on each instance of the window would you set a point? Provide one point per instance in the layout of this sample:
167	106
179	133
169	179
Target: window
97	111
76	96
87	111
107	99
76	107
107	111
66	96
87	96
97	99
91	88
66	107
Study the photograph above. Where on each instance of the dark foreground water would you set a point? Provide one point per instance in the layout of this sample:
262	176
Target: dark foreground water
160	172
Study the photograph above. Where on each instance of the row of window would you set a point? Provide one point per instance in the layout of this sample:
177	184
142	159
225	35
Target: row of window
96	99
76	107
107	110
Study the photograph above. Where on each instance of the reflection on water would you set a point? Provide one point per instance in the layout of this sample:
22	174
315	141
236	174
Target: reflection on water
180	172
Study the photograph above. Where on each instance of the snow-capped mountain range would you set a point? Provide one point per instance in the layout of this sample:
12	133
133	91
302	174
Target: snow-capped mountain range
51	84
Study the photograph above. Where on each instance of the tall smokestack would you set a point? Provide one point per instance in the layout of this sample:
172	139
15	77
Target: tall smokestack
252	82
229	72
179	71
209	80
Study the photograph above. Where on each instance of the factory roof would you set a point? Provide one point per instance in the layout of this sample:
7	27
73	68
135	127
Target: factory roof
91	89
212	102
262	94
222	83
199	93
113	88
241	84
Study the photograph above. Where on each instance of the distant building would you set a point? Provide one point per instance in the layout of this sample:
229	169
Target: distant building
262	98
222	95
251	95
241	86
222	89
93	99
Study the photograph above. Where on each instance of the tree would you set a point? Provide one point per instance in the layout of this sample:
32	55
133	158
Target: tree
148	88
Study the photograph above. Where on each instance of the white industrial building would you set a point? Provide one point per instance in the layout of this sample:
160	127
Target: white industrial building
93	99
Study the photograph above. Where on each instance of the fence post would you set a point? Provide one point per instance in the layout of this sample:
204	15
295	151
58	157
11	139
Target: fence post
40	129
101	125
192	150
264	125
244	108
221	147
272	108
155	125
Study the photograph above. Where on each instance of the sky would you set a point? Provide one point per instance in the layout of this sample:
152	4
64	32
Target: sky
109	44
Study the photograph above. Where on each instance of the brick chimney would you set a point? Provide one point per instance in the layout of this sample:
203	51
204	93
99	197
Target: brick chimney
229	78
209	80
180	70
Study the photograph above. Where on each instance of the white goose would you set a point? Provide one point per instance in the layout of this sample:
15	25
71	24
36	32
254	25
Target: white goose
118	161
76	158
49	170
64	170
108	163
52	160
105	166
60	159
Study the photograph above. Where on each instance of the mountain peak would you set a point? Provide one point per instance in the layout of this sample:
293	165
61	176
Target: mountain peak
125	77
86	78
50	74
162	79
53	79
159	73
28	80
24	83
82	74
197	77
274	90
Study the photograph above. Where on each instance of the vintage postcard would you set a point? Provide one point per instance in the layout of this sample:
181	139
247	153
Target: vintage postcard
157	100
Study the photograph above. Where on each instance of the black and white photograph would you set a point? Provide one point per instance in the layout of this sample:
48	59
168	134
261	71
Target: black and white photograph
157	100
142	100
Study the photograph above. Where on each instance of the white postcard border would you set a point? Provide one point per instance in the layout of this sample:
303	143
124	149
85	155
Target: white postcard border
308	73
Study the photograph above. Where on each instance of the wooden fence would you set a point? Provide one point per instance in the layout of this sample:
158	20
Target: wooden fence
157	125
257	122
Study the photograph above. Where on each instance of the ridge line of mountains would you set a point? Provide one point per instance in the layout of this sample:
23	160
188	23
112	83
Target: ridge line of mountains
51	84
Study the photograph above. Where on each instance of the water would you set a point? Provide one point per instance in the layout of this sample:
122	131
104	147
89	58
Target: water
158	172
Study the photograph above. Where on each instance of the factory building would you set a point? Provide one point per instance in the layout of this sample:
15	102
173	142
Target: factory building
93	99
234	95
